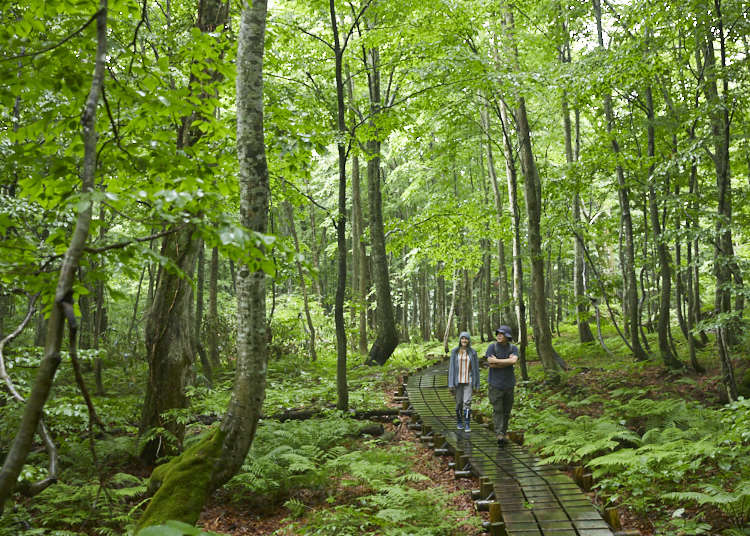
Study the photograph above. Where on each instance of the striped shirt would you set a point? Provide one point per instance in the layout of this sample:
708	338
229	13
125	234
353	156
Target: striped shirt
464	367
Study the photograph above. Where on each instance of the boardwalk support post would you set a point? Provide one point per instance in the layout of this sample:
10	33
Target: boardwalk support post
612	517
497	527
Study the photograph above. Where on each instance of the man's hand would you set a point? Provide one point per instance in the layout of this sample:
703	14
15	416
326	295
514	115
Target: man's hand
494	362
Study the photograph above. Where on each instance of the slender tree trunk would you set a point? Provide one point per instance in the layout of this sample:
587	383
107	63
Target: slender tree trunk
213	309
724	249
440	311
518	290
64	299
359	256
315	246
133	318
504	305
201	277
302	282
664	258
341	381
551	361
387	335
451	311
581	301
631	288
424	311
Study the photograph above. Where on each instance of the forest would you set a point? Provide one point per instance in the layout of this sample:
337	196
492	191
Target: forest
230	230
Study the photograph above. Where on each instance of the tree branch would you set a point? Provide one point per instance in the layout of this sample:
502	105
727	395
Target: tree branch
51	47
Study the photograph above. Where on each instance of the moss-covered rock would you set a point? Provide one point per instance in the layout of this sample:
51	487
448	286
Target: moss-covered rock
182	485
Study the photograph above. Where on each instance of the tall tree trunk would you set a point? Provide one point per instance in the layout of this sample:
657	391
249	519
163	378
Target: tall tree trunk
317	281
200	284
451	311
359	256
664	258
581	301
213	309
631	285
302	282
440	311
551	361
724	249
341	382
424	310
504	304
518	291
214	460
685	320
63	299
387	334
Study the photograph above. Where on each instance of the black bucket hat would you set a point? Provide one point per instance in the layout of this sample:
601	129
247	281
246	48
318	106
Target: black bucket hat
505	330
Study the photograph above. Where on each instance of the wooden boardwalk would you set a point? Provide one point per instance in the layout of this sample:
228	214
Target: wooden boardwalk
534	498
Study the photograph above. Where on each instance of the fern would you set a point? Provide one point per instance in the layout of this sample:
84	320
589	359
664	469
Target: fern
736	504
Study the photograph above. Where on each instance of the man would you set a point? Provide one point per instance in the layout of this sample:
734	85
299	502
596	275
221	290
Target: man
501	356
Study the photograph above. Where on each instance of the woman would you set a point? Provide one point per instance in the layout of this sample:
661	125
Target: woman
463	378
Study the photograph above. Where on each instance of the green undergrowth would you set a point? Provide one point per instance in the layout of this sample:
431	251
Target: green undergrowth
367	488
652	441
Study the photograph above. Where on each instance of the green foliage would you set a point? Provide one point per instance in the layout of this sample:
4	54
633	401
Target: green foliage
174	528
292	455
75	508
567	441
392	505
645	452
395	510
735	503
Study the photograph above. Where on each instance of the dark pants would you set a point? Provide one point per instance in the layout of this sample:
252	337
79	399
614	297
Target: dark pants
502	403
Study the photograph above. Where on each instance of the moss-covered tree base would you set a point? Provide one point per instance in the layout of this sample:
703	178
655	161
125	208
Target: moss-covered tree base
183	484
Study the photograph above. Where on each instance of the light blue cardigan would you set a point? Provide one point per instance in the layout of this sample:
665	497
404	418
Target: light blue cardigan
453	364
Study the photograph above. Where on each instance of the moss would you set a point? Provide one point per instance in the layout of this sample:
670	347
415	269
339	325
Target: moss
182	484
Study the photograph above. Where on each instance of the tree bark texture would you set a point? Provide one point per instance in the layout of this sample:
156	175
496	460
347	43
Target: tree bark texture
518	291
387	334
505	302
171	342
248	391
533	189
341	381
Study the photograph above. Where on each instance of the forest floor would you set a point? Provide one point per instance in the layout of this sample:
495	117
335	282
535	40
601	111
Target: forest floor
238	520
223	515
